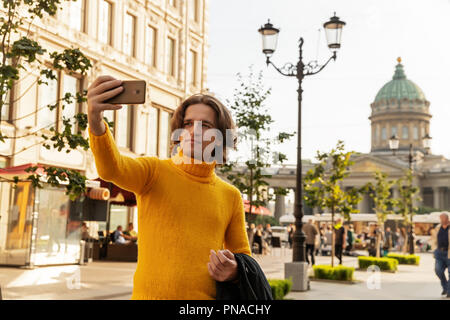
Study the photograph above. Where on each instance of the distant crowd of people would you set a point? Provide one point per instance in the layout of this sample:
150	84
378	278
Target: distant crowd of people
117	236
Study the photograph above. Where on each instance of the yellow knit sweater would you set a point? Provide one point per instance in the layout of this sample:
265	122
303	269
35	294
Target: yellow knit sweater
184	210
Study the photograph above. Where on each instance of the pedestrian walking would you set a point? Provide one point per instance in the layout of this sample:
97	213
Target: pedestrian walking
339	239
441	245
311	233
350	239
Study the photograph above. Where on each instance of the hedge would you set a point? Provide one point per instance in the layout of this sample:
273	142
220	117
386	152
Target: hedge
385	264
405	258
341	273
280	287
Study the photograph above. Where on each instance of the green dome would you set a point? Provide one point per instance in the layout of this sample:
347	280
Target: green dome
400	87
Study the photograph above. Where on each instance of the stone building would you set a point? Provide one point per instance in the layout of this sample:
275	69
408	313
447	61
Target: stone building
164	42
399	109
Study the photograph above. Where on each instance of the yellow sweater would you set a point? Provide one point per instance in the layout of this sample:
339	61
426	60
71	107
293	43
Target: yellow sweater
184	210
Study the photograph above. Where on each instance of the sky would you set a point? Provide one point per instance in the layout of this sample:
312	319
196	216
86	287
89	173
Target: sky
336	102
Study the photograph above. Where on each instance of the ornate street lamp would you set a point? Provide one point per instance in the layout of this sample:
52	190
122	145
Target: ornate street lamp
333	28
333	32
269	38
427	142
394	143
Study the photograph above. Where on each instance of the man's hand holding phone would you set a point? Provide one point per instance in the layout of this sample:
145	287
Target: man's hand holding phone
108	93
103	88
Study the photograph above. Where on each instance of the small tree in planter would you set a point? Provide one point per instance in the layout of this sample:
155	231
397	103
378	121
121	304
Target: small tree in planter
253	121
381	195
322	185
405	203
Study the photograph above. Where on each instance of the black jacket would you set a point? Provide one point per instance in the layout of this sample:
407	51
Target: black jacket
252	284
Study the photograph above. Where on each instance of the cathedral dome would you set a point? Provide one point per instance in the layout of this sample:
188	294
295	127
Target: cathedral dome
399	87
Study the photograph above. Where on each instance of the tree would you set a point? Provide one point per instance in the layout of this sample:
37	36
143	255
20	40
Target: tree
20	56
253	122
380	192
408	195
322	185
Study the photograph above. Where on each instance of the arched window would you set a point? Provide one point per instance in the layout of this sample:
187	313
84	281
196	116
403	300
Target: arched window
405	132
416	133
383	133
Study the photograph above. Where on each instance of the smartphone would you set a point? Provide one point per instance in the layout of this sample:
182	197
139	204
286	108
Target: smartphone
133	93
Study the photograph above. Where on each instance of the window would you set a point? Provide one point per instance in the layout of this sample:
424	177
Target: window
405	132
164	132
170	57
150	46
416	133
123	126
77	14
105	19
152	132
6	97
129	34
192	68
193	10
70	85
394	131
383	133
48	95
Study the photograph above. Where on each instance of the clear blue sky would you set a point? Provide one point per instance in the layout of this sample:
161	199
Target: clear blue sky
337	100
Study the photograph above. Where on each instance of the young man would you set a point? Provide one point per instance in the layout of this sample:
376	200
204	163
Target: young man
339	240
311	232
441	246
190	221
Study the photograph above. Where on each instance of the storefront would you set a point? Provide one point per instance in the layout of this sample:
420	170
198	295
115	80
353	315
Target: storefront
37	226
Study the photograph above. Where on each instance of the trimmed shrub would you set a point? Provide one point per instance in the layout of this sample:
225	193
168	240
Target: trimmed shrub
340	273
405	258
385	264
280	287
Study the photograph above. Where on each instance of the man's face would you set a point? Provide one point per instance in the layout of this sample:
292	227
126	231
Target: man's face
198	119
444	219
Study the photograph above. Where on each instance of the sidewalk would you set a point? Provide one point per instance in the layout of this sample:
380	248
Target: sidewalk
114	280
408	283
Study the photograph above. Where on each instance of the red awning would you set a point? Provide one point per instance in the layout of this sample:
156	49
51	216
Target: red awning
20	171
256	210
129	199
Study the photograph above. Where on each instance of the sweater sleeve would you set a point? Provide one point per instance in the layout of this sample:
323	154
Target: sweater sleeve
236	239
132	174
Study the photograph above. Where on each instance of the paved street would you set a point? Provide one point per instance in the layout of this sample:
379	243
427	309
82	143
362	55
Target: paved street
113	280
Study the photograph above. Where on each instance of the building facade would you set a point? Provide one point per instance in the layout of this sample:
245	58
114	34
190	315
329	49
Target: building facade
399	109
164	42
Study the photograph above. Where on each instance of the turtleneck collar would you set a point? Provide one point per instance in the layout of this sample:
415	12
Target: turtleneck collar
203	172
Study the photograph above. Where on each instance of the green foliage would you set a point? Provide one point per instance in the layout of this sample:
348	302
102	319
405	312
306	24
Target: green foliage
385	264
280	287
341	273
381	194
265	220
425	210
253	122
408	194
19	52
322	184
405	258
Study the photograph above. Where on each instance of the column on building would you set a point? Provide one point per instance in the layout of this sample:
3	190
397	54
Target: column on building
436	197
280	206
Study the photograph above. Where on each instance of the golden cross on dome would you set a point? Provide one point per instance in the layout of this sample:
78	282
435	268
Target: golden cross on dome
399	59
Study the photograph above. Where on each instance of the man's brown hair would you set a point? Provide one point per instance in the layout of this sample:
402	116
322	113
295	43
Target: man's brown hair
224	121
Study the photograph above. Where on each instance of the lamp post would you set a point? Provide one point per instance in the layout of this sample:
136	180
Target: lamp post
333	29
394	145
